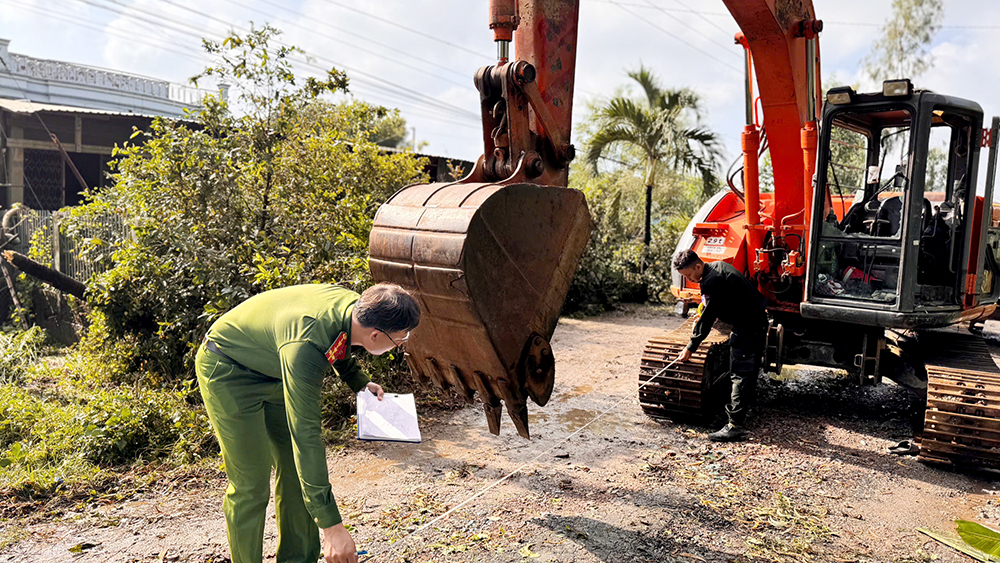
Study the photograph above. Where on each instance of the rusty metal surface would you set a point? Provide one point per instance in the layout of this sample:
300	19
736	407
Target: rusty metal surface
683	391
490	265
962	421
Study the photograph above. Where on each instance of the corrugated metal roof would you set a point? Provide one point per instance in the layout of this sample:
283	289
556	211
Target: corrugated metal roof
27	107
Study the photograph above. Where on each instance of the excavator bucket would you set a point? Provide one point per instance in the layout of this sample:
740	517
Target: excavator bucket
490	265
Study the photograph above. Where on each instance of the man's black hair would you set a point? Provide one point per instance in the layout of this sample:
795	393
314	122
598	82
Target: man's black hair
685	259
387	307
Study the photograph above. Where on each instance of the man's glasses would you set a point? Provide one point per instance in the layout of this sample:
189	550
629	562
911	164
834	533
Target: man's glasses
402	341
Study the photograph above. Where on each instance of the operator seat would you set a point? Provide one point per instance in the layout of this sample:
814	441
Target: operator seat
888	218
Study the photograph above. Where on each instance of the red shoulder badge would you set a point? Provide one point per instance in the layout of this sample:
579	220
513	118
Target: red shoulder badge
338	350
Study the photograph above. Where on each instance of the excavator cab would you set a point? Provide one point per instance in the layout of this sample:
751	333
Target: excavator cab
899	234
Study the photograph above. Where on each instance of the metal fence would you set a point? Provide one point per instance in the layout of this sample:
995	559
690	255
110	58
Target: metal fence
33	228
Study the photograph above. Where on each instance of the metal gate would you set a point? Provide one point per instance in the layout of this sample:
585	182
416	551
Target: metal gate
44	179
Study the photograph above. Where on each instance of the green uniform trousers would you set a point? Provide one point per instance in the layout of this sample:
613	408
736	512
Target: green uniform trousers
245	407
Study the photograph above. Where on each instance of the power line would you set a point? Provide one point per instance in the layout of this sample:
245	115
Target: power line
194	54
198	55
430	99
702	16
700	13
636	5
466	84
410	29
727	48
678	38
390	88
868	24
364	38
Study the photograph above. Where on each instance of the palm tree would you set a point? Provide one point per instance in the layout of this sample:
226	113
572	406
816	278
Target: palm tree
665	127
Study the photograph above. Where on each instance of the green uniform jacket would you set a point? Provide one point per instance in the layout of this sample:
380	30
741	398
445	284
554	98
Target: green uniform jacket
730	297
288	334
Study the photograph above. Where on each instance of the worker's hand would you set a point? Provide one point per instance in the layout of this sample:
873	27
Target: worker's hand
684	356
339	545
376	389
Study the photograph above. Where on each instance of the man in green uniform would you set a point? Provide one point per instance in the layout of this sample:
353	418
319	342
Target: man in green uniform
260	370
730	297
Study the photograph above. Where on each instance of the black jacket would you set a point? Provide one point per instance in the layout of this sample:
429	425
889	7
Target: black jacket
730	297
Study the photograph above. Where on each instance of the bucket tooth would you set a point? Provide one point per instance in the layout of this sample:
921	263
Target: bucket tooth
490	265
519	414
493	411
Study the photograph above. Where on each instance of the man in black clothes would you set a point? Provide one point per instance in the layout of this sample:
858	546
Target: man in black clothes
730	297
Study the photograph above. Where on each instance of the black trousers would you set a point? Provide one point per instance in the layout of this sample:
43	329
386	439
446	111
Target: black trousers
747	350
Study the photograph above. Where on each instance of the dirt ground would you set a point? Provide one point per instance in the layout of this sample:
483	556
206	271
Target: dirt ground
814	483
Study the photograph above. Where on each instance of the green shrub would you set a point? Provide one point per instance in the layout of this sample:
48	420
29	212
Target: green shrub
72	431
615	267
284	194
18	351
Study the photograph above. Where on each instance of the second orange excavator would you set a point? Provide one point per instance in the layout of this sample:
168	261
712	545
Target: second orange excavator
864	255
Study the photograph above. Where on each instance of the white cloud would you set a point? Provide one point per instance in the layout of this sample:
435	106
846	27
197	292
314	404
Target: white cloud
611	41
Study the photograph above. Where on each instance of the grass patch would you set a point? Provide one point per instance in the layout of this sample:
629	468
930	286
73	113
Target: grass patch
66	433
18	352
783	531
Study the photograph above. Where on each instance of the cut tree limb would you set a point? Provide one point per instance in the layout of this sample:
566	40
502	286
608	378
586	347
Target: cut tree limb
56	279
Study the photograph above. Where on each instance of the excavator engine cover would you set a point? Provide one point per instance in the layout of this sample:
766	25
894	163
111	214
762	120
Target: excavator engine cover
490	265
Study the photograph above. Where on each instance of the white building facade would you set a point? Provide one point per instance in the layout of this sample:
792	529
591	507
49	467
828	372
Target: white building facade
87	109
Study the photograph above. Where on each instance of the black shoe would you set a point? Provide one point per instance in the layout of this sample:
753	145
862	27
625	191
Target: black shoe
905	447
728	433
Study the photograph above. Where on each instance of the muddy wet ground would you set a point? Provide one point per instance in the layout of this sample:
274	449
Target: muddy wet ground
814	483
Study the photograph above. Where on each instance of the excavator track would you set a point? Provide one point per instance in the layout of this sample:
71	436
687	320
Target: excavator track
962	421
683	392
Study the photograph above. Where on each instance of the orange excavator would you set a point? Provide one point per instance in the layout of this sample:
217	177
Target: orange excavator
875	240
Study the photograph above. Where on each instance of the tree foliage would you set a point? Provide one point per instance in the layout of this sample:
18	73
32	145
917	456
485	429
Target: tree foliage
232	205
616	267
902	49
664	126
662	129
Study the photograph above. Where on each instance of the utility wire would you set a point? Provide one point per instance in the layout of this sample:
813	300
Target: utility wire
332	37
200	56
675	36
867	24
185	28
636	5
727	48
410	29
430	99
364	38
689	10
702	16
193	54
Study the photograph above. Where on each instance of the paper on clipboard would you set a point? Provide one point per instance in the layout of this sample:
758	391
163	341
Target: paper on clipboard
393	419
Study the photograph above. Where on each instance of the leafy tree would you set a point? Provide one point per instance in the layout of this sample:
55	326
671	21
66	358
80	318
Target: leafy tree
232	205
613	268
901	51
664	128
383	126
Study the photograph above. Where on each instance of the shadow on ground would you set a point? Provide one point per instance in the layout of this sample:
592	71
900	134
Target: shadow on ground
613	544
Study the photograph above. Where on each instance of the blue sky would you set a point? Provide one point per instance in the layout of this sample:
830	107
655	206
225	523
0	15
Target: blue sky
426	70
